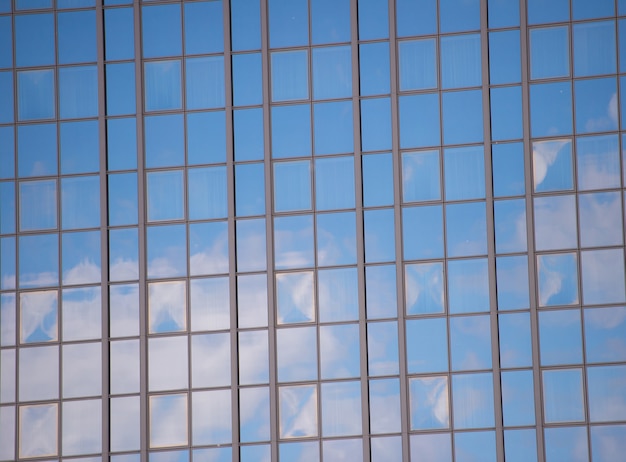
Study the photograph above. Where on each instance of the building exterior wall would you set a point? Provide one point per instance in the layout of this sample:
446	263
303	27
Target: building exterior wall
302	230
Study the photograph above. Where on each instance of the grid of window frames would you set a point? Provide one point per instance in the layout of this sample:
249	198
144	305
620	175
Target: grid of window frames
303	230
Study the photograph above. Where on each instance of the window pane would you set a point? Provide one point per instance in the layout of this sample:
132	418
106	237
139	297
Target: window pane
332	72
204	27
77	37
35	94
34	40
161	31
289	23
78	92
330	21
120	83
204	82
119	33
460	61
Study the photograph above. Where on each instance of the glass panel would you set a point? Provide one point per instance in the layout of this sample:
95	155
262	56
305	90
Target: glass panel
39	260
341	408
34	39
604	339
552	165
252	300
163	84
81	258
380	239
510	226
247	79
462	117
385	448
248	134
289	23
122	200
38	430
382	348
121	144
119	34
419	120
375	124
206	193
551	109
297	412
164	141
338	295
35	95
167	251
208	248
380	293
466	229
204	27
558	442
458	15
210	361
330	21
563	395
421	176
504	53
373	63
555	222
7	209
384	411
206	142
125	424
167	306
598	162
123	255
377	172
464	173
608	442
470	343
36	150
558	279
80	202
7	147
303	451
168	420
373	19
596	105
339	351
333	125
250	245
427	223
427	345
417	64
39	316
161	31
254	421
210	304
503	13
603	276
6	86
253	357
292	186
339	449
123	310
38	204
594	47
472	446
460	60
520	445
250	189
472	398
291	131
293	242
80	150
77	36
332	72
82	313
334	183
296	354
120	89
514	336
506	113
245	18
607	393
336	239
7	263
204	79
38	374
429	406
518	398
437	447
468	286
7	320
290	74
7	432
82	370
542	11
549	52
165	369
295	297
78	92
424	291
6	38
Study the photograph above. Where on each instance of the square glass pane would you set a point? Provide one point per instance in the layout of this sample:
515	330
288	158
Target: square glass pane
596	105
82	427
204	82
332	72
549	52
459	15
373	19
210	360
607	442
594	47
38	260
464	173
604	334
165	195
418	64
330	21
206	140
470	343
598	162
558	443
438	446
460	60
38	373
520	445
36	150
82	370
290	75
600	219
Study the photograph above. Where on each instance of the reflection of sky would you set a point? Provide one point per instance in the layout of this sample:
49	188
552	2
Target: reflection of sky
608	443
39	373
475	446
210	360
298	411
253	357
7	432
297	354
208	248
125	423
563	395
343	450
468	286
567	443
382	348
560	337
424	288
429	403
470	342
339	351
598	162
124	366
7	319
607	393
603	276
512	282
38	430
600	219
254	414
39	316
82	313
168	306
472	399
555	222
338	297
336	239
81	257
82	427
82	370
124	310
384	404
552	165
426	344
518	398
252	300
300	452
434	447
7	376
211	417
380	293
387	448
293	242
341	408
296	300
168	420
605	338
514	335
166	371
558	279
210	304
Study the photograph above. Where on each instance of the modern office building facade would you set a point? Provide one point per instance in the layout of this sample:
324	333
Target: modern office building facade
303	230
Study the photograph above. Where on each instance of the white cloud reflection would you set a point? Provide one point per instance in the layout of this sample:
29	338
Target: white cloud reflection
298	411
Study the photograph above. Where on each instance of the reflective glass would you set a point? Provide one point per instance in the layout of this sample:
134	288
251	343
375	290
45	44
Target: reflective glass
558	279
551	109
34	39
7	206
204	27
582	10
471	446
384	408
252	300
35	95
210	360
250	240
515	340
598	162
462	117
464	173
168	420
382	348
549	52
78	92
7	380
338	295
165	195
380	296
422	231
293	241
379	237
80	202
164	140
418	64
603	276
560	337
121	144
163	84
204	82
297	410
248	134
600	219
125	424
291	131
161	31
254	417
342	449
80	150
82	370
6	38
604	339
290	75
7	320
458	15
167	307
339	351
552	165
424	292
166	251
39	316
122	199
429	405
36	150
506	113
333	128
334	183
594	48
7	148
206	142
308	451
596	105
7	434
336	239
563	395
38	260
470	343
510	225
6	86
119	42
373	62
247	79
377	172
416	17
504	54
421	176
7	263
253	357
292	186
120	88
375	124
289	23
295	296
77	36
503	13
520	445
332	72
210	304
38	373
436	446
330	21
555	222
542	11
81	257
249	189
82	313
460	61
341	408
607	394
419	120
123	310
472	400
38	204
373	19
38	428
466	232
427	345
245	24
559	444
208	248
468	286
165	369
296	354
607	442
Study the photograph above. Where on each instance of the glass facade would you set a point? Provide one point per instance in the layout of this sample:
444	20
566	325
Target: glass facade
312	230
